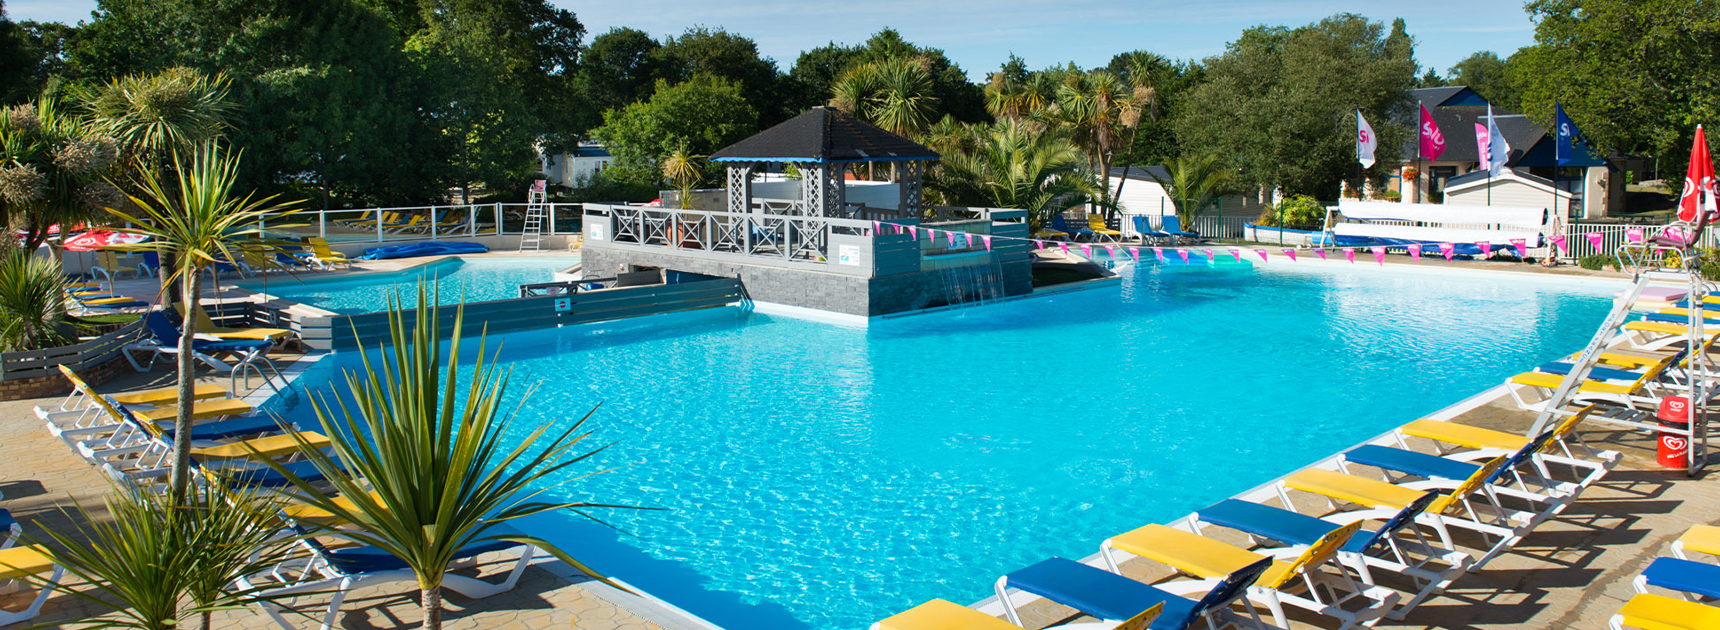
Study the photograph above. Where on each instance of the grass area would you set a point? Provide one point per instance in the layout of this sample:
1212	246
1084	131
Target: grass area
111	318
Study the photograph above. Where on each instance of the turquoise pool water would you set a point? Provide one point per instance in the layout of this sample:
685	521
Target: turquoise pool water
481	279
824	476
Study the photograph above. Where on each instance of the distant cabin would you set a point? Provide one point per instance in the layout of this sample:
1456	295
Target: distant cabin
1144	195
1511	188
576	168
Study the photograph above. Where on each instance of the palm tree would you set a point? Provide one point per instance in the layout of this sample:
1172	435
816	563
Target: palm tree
1014	165
193	220
1098	107
426	469
157	116
1143	69
894	93
1195	181
52	169
682	170
32	302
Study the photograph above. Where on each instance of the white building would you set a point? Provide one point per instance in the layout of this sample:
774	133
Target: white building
1144	195
575	168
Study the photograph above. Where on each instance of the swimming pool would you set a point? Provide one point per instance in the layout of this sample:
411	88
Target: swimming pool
825	476
481	279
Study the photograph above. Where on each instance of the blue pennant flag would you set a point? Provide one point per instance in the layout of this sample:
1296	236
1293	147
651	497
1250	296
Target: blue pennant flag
1565	150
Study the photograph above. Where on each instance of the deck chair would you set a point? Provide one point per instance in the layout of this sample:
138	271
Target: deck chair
1703	539
345	569
109	268
103	301
1059	225
326	257
1546	497
1647	335
1145	229
1173	227
1112	598
21	564
1096	223
151	265
1664	613
161	337
1533	391
1688	579
205	325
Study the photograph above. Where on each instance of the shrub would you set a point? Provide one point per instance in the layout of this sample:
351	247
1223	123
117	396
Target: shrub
32	304
1596	262
1299	212
1389	195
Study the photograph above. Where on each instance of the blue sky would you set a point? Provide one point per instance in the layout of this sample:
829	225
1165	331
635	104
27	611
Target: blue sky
979	35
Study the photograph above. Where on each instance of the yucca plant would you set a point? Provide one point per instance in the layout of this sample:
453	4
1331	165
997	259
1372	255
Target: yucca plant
426	467
193	217
32	302
151	562
155	116
682	169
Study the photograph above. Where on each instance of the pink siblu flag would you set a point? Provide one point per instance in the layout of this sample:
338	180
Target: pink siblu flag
1486	249
1262	254
1380	255
1321	252
1350	255
1211	257
1236	254
1558	242
1290	253
1040	243
1184	254
1415	252
1594	240
987	239
1160	253
1633	235
1522	246
1432	141
1449	249
1135	253
1112	250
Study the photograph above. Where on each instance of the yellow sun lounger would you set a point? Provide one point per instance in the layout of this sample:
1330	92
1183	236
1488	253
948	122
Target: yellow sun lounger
203	324
1534	391
200	410
325	255
307	512
1646	335
260	448
941	614
1658	612
1700	539
27	561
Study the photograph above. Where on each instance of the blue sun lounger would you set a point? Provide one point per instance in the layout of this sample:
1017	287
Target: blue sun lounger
1145	229
1059	225
1684	576
1111	597
1173	227
1603	373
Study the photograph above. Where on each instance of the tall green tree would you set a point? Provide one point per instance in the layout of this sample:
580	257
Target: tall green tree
1195	183
1490	77
1016	164
719	53
1636	77
155	116
894	93
1276	103
819	69
699	116
53	170
618	69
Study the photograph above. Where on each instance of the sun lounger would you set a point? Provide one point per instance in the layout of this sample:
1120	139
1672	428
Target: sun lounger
1658	612
1685	577
1059	225
1113	598
22	564
1549	497
162	338
1647	335
1484	444
203	324
1296	582
1704	539
1173	227
1534	391
1096	224
325	256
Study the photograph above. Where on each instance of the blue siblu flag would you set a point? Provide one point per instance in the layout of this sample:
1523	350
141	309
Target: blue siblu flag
1564	150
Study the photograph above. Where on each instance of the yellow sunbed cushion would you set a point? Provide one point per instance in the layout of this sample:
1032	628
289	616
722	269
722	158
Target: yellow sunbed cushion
168	395
1464	435
25	560
263	447
269	334
1192	553
1351	488
1666	328
199	410
1702	539
1552	381
940	614
307	512
1657	612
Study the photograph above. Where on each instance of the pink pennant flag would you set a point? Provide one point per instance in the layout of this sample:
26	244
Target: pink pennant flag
1522	246
1449	249
1236	254
987	239
1290	253
1063	245
1087	251
914	232
1558	242
1415	252
1380	255
969	238
1594	240
1040	243
1486	249
952	236
1321	252
1633	235
1112	250
877	228
1262	254
1211	257
1350	254
1135	253
1184	254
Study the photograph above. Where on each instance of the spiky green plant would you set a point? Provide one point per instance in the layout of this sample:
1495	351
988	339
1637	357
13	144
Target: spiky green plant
426	467
148	557
158	115
1196	182
194	218
32	302
682	169
1015	164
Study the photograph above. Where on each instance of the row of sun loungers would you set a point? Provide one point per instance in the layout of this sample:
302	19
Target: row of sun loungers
1373	532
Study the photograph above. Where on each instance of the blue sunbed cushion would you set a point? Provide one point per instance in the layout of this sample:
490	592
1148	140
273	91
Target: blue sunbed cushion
1410	462
269	478
367	559
231	345
6	520
235	427
1675	319
1266	521
1097	592
1684	575
1605	373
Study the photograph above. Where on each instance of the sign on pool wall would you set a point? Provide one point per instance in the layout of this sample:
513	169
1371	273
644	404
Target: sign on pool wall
848	255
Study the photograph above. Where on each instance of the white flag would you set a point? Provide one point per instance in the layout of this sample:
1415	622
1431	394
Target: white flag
1498	150
1365	141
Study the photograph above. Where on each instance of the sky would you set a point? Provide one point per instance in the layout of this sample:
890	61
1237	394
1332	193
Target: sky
980	34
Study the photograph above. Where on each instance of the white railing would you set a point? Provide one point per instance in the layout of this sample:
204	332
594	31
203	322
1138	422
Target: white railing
1220	228
1614	236
784	236
414	223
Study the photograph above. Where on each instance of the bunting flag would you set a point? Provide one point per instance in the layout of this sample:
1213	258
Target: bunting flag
969	238
1063	245
1558	242
1290	253
1449	249
1594	240
1697	203
1112	250
1350	254
1633	235
932	235
1184	254
914	232
1262	254
1522	246
952	236
1486	249
1160	253
1321	252
1380	252
1087	251
877	228
1211	257
1415	252
1236	254
1135	253
987	239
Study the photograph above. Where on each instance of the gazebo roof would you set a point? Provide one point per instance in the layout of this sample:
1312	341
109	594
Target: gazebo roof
823	135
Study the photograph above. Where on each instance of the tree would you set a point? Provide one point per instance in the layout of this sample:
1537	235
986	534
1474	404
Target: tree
1016	164
155	116
893	93
1195	183
193	218
52	170
424	470
618	69
701	115
1099	109
725	55
17	84
685	172
32	301
1636	77
1273	105
1490	77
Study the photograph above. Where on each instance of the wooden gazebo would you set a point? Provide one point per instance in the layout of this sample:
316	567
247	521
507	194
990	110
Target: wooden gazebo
822	143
